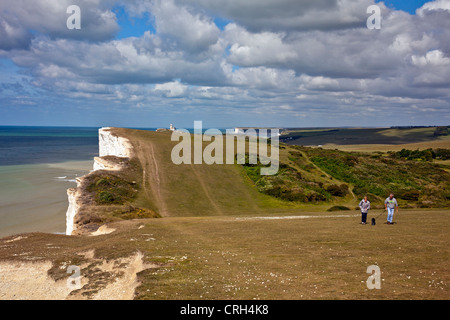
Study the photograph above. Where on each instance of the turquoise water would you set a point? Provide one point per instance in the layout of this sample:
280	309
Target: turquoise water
37	166
33	197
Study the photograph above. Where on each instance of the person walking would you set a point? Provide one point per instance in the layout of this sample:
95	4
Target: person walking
364	205
391	205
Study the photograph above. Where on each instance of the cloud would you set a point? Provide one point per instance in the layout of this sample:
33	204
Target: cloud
190	30
289	15
433	6
12	34
98	22
433	58
302	57
257	49
171	89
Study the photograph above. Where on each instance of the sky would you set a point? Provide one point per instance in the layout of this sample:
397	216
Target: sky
228	63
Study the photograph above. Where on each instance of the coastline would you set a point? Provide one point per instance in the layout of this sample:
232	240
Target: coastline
113	149
33	196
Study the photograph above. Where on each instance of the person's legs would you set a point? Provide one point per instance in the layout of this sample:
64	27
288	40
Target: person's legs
363	217
390	215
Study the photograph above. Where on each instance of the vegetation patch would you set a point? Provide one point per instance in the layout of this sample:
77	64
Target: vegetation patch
110	196
317	175
111	189
338	208
421	155
289	183
425	182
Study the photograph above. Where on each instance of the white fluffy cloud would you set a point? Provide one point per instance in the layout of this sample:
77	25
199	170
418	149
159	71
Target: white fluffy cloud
435	5
171	89
50	17
301	57
193	31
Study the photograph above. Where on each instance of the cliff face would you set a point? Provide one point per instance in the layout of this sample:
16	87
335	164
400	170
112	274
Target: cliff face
111	149
111	145
73	209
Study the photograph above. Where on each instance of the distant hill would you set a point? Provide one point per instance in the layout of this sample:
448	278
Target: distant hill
358	136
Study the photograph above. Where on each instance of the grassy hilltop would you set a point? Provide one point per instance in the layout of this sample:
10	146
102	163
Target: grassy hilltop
313	179
226	232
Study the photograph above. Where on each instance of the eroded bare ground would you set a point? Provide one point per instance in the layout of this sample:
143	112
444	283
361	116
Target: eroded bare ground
55	267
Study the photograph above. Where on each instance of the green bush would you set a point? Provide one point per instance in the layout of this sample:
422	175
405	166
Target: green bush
412	195
105	197
424	155
338	208
111	189
442	154
338	191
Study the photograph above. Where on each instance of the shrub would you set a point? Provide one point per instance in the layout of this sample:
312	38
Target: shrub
111	189
338	191
338	208
442	154
316	197
412	195
105	197
424	155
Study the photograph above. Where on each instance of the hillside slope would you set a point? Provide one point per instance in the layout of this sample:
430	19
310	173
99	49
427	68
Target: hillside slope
304	181
188	189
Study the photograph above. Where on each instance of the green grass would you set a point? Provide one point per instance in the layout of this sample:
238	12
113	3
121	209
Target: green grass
195	190
229	258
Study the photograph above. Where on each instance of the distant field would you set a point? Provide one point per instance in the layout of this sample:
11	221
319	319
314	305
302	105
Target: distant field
358	138
434	144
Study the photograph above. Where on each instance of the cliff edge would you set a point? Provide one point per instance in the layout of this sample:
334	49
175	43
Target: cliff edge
114	155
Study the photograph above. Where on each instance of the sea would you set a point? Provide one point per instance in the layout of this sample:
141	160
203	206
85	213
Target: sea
37	166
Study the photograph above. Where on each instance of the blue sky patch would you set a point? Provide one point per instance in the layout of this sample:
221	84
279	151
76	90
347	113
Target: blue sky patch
405	5
132	26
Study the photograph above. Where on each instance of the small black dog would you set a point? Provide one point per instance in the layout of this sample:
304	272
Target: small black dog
373	221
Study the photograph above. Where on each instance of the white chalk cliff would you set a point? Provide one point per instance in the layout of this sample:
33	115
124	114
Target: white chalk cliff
109	145
72	210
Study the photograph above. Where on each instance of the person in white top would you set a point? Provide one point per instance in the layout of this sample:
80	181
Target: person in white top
364	205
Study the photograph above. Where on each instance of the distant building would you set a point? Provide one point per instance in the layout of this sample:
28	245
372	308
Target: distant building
172	128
